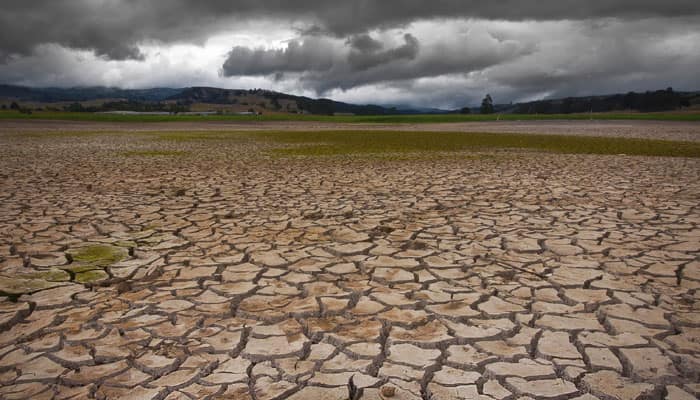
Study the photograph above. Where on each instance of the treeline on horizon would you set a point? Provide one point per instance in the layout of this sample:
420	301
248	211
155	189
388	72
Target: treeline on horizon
173	100
180	100
650	101
126	105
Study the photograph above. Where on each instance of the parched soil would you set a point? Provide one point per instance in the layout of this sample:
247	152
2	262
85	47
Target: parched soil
671	130
211	270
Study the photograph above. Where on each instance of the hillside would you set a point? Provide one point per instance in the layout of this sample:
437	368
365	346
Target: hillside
92	99
273	101
650	101
180	99
50	95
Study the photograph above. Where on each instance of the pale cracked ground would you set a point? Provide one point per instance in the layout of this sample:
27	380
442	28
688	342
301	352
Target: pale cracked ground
225	274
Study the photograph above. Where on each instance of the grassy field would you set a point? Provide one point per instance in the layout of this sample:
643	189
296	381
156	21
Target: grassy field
328	143
387	119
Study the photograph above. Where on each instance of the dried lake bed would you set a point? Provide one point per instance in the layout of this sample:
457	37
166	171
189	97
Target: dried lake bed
242	261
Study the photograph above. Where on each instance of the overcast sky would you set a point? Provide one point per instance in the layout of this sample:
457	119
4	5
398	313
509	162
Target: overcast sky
438	53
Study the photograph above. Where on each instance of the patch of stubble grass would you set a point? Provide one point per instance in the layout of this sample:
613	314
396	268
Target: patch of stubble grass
324	143
382	119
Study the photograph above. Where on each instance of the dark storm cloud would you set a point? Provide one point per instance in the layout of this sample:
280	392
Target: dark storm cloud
516	60
445	53
113	28
316	54
365	43
366	53
323	63
311	54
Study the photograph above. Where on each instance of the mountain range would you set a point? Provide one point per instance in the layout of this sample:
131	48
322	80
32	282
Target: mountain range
100	98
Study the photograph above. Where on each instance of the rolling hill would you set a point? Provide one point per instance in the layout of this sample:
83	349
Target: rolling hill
271	102
197	98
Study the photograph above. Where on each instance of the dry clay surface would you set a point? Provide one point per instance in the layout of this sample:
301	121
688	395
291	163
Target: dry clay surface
668	130
224	274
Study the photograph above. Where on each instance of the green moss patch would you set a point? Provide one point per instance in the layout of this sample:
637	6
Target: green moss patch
91	276
87	266
90	261
98	255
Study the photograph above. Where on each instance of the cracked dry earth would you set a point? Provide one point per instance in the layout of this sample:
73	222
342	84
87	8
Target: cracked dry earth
227	274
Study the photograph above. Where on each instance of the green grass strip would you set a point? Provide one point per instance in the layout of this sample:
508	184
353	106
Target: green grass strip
378	119
373	142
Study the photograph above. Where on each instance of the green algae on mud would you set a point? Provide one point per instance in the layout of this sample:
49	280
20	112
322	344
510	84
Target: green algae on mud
100	255
91	276
87	265
88	262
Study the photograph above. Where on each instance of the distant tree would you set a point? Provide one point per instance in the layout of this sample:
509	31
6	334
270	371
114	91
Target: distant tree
487	105
465	110
4	107
14	106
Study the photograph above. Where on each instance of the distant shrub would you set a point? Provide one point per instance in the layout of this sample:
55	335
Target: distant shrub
487	105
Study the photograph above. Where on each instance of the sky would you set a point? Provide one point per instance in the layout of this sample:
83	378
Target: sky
438	53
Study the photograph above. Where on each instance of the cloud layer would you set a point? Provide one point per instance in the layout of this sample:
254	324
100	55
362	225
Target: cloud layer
441	53
113	28
514	59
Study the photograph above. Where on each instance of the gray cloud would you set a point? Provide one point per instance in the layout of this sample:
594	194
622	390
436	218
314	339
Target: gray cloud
324	56
114	28
366	52
606	57
365	43
312	54
515	60
442	53
324	63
